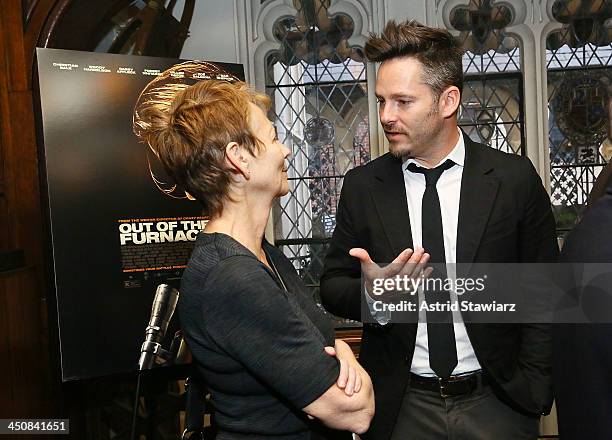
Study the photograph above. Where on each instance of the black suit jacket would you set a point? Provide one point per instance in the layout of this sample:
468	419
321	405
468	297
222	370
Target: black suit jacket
582	353
504	216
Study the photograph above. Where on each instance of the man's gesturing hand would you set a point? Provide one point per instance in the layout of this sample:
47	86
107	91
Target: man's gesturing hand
408	263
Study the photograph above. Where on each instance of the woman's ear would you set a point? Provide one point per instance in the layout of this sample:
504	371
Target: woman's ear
237	158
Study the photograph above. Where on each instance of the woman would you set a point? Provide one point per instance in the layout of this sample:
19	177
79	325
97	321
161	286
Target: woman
266	351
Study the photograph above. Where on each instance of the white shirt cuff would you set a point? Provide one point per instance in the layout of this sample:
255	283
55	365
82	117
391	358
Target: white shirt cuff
382	317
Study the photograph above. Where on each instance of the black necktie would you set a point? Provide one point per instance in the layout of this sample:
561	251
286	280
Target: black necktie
440	331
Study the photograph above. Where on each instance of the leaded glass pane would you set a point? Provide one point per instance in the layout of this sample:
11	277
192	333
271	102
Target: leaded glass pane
579	61
492	100
567	57
488	47
317	83
578	138
492	112
326	71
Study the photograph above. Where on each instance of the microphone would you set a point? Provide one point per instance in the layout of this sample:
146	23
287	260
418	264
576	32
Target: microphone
161	313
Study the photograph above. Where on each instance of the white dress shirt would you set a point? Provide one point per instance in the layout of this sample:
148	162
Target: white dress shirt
449	191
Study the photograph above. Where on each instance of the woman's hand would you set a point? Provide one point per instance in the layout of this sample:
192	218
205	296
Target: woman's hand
348	404
350	377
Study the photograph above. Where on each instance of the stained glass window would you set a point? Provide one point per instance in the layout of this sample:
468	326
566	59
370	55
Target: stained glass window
317	82
492	102
579	63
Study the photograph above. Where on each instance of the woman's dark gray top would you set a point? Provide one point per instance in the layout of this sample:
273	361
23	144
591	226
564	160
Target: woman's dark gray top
259	348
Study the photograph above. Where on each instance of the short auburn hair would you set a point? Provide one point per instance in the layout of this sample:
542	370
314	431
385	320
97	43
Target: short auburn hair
188	128
436	49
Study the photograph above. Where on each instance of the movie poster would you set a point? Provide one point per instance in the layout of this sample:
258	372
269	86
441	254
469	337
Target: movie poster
117	232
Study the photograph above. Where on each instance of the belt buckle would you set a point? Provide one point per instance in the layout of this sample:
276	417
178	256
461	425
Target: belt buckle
442	385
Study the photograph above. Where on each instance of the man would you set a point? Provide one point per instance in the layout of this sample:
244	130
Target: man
460	381
582	352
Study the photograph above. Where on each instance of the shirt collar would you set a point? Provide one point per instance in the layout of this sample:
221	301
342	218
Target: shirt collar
457	154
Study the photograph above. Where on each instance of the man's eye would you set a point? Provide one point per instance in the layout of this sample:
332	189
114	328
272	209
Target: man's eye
404	102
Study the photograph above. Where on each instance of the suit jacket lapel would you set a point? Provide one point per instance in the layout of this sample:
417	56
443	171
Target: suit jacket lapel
478	192
389	194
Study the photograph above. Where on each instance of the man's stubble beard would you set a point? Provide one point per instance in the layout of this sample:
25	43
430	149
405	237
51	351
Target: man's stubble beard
431	131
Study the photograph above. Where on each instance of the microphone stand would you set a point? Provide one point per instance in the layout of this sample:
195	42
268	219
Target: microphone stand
166	356
164	304
135	409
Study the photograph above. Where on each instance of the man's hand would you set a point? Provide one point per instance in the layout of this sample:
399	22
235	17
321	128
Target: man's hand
350	377
408	263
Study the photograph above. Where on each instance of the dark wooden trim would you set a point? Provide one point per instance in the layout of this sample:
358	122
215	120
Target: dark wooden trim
34	23
352	337
52	20
25	375
28	9
24	371
12	33
11	260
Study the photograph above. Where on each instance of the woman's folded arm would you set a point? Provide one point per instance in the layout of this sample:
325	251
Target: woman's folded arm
338	409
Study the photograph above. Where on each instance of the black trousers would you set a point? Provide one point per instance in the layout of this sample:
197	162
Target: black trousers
424	415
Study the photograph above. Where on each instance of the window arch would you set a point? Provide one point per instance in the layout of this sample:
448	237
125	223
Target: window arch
579	68
316	75
492	102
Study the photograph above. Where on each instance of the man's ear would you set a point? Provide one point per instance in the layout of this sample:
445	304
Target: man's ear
449	101
237	158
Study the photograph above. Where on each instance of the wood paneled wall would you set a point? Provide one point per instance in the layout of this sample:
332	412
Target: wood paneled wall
26	373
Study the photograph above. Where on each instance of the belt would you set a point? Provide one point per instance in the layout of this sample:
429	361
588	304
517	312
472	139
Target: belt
451	387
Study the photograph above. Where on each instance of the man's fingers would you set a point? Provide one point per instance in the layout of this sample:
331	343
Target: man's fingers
415	264
427	272
397	264
403	256
362	254
420	265
368	267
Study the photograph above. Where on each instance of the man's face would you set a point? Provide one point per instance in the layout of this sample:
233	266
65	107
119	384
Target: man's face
407	108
